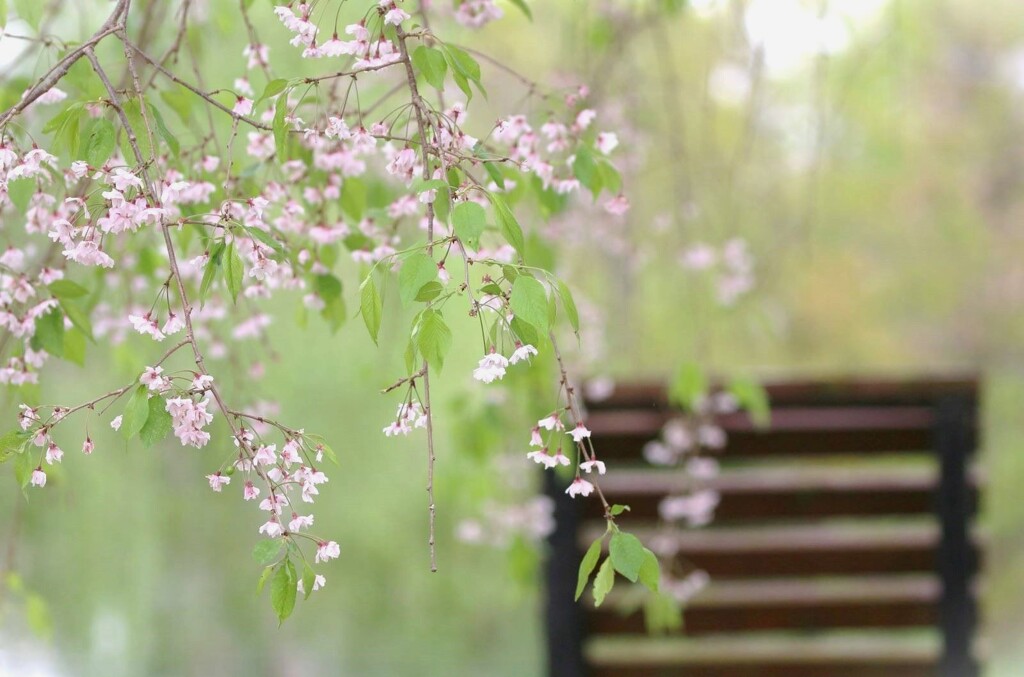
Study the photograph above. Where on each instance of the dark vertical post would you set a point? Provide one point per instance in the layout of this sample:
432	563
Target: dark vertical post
563	617
954	444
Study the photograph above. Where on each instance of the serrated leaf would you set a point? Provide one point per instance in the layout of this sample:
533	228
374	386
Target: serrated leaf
100	143
280	130
603	582
469	220
66	289
158	423
417	270
213	266
233	271
12	443
627	555
20	192
74	346
429	291
49	333
262	580
308	579
569	305
370	307
163	131
135	413
433	338
273	88
266	238
650	571
78	317
24	464
267	551
587	566
430	62
283	590
507	223
529	302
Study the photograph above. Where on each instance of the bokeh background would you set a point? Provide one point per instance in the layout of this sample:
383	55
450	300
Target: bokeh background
868	153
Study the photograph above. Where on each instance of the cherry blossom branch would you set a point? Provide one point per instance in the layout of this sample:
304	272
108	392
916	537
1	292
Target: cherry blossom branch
192	88
418	106
61	68
577	416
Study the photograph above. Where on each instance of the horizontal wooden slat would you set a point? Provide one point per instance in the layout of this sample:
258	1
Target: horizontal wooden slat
794	604
830	653
622	434
783	491
797	393
866	547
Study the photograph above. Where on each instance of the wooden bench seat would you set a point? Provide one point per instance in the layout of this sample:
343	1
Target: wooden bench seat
843	543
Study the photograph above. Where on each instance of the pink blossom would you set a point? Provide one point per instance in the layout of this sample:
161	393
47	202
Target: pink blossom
579	487
579	432
217	481
38	477
522	352
327	550
491	367
587	466
243	106
54	454
88	446
272	528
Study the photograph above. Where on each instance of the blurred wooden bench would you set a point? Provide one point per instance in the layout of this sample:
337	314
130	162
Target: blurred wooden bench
843	545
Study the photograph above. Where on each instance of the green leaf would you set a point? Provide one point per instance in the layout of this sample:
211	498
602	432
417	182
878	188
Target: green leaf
650	571
280	130
689	386
521	4
334	313
135	413
283	590
30	11
469	220
433	338
507	223
417	270
263	578
370	306
100	143
24	464
569	305
627	555
12	443
267	551
529	302
754	399
431	64
158	423
308	579
585	169
163	132
211	269
266	238
619	509
462	63
78	317
587	565
74	346
50	333
273	88
20	191
66	289
328	287
3	14
429	291
603	582
133	111
233	271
